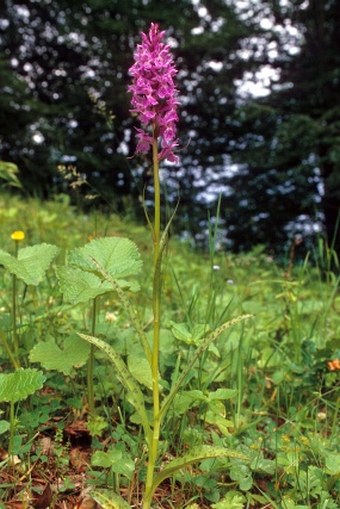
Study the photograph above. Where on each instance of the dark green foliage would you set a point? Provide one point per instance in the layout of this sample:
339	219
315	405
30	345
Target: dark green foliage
290	139
63	100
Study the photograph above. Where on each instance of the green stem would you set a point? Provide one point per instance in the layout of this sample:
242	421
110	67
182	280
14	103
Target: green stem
90	364
13	360
11	430
153	451
14	311
14	315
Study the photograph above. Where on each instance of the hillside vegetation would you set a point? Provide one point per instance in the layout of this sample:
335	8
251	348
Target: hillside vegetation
263	392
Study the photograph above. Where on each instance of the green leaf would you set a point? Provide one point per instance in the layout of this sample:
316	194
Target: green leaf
333	464
117	256
140	369
103	459
109	500
197	454
19	385
186	399
182	333
4	426
219	421
8	172
32	262
222	394
98	268
73	354
232	500
241	473
133	391
79	286
118	461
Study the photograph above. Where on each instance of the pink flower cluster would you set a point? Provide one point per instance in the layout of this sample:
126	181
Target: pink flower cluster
154	95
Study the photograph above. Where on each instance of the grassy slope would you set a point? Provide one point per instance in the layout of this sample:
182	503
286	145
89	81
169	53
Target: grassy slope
282	407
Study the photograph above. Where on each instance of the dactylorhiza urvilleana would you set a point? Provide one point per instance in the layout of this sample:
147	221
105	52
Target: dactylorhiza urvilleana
154	100
154	95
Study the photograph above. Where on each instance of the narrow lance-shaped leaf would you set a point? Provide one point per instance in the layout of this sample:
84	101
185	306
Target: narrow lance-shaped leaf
195	455
109	500
125	377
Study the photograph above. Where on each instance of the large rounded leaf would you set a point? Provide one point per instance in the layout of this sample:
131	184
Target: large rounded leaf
19	385
93	270
119	257
73	354
32	262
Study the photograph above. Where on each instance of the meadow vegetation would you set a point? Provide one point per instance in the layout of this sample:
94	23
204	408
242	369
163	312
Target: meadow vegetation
262	393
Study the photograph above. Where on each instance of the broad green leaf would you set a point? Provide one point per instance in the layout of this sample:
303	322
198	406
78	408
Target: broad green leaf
333	464
140	369
117	256
19	385
197	454
232	500
223	424
32	262
186	399
118	461
109	500
73	354
79	286
98	268
242	474
182	332
134	393
103	459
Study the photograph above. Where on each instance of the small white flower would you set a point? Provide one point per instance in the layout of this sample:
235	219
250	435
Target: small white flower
321	416
110	317
216	267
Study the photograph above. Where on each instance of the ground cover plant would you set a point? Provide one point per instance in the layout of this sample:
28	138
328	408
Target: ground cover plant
266	388
158	377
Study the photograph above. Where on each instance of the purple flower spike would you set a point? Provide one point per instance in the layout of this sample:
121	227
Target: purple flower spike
154	95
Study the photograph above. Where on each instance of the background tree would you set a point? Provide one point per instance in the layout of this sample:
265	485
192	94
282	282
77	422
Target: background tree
63	69
288	142
62	51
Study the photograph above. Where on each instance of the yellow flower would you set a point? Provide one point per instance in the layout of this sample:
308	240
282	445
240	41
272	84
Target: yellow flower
18	235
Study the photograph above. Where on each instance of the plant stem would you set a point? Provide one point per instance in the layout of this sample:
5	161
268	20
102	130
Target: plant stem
11	430
90	364
7	347
153	451
14	310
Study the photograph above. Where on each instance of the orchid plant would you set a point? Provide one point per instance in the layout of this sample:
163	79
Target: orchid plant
155	102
